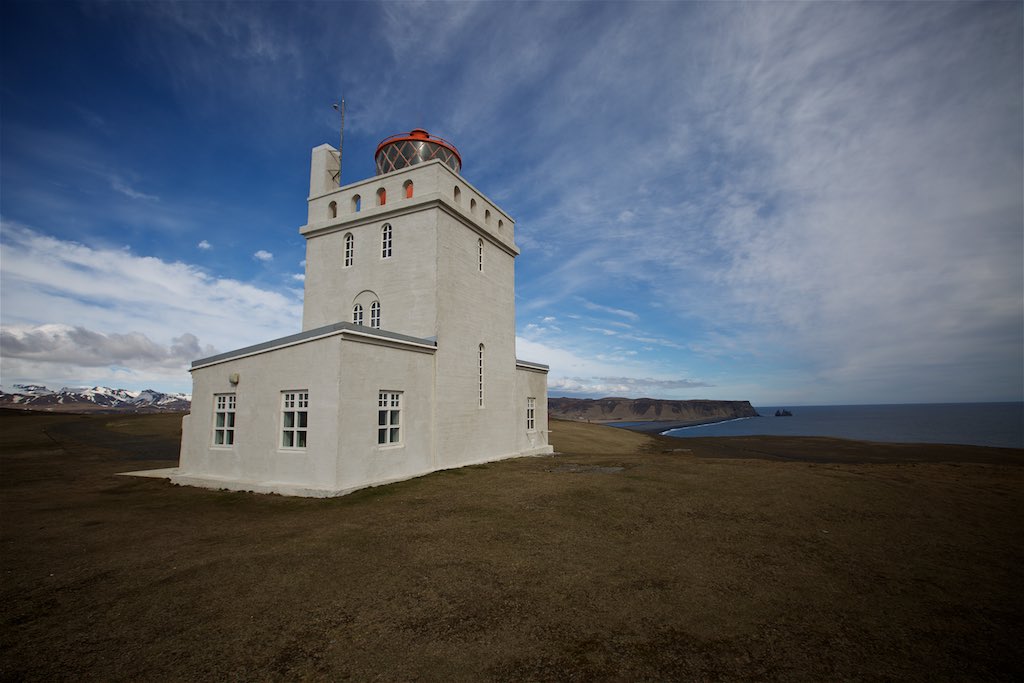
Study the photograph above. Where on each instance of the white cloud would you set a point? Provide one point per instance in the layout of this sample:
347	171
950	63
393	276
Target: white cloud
301	277
143	315
263	255
603	373
58	343
204	245
632	387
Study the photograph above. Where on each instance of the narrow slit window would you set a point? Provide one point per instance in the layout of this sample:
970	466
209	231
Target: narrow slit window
382	197
375	315
294	419
385	241
332	210
357	203
408	189
480	375
350	250
457	195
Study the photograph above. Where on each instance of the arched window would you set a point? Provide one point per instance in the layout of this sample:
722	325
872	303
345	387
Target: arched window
472	206
480	255
408	189
487	216
385	241
332	210
375	315
480	375
350	250
501	224
382	197
357	203
357	314
457	194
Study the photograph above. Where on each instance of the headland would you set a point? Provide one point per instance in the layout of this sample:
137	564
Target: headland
648	415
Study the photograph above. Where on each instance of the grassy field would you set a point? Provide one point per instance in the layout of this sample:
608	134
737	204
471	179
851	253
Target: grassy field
625	557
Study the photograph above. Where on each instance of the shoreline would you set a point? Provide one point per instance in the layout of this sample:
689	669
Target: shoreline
662	426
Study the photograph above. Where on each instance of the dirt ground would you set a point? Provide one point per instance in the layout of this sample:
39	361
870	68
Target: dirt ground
626	557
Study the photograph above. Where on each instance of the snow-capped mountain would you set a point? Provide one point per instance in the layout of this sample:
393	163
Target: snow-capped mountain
71	399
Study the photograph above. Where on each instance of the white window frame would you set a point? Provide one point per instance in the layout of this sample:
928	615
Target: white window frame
375	315
357	314
385	241
224	406
350	249
531	413
389	418
294	420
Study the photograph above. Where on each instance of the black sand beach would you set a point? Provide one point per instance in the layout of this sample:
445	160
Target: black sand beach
660	426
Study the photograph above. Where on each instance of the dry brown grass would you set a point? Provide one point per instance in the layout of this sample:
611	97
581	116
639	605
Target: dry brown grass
720	563
568	436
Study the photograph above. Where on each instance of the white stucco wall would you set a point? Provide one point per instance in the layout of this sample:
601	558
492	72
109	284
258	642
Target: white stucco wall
532	382
474	307
405	283
367	370
256	456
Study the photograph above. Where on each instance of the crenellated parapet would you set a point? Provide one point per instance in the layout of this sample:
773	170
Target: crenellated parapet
383	196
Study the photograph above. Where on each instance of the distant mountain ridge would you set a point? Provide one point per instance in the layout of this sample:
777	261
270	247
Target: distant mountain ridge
647	409
92	399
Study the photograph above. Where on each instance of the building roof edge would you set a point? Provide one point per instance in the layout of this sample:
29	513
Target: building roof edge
312	335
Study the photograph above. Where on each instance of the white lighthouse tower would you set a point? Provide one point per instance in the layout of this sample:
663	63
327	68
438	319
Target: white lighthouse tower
406	361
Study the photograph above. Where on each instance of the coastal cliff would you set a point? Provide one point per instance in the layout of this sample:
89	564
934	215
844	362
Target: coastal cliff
647	410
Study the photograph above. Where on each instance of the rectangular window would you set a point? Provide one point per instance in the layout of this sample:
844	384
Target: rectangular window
350	250
531	412
294	418
389	417
224	420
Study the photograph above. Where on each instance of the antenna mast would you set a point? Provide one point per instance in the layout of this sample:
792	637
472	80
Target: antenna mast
340	108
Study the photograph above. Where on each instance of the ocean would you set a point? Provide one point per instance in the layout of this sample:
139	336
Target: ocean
979	424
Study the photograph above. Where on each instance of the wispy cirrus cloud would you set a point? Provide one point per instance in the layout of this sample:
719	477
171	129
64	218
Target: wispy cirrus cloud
591	306
859	207
120	186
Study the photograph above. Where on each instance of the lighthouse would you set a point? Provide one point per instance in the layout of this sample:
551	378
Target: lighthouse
406	360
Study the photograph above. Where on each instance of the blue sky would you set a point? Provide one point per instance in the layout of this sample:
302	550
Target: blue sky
790	203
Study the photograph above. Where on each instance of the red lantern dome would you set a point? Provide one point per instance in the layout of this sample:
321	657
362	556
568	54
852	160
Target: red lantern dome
415	147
